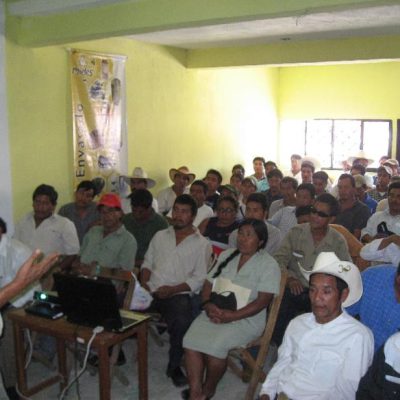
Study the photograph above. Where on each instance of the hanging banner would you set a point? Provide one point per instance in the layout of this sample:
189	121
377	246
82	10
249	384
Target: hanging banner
99	123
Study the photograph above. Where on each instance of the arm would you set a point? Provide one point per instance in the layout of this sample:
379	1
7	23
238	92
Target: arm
224	316
283	257
30	271
381	250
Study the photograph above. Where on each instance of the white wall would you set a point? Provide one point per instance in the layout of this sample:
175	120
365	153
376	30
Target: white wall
6	211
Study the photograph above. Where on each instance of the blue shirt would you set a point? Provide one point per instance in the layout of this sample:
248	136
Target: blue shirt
378	308
370	203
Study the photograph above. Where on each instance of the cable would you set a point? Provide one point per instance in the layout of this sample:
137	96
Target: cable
30	347
96	331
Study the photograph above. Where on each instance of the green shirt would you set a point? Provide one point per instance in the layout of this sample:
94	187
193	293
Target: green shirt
116	250
143	233
298	247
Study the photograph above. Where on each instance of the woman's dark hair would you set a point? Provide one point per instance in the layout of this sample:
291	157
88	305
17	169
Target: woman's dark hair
260	228
231	199
304	210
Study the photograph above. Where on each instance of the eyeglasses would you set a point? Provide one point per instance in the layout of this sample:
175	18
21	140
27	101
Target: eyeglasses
319	213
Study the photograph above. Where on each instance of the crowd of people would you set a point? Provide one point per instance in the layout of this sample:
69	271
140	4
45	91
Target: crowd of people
200	237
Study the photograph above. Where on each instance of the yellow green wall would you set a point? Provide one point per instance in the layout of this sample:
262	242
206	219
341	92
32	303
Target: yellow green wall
341	91
201	118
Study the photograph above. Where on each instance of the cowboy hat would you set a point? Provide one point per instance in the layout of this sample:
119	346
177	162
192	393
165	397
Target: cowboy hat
328	263
184	171
140	173
359	154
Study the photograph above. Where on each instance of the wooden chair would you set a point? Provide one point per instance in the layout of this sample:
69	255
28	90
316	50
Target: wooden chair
243	353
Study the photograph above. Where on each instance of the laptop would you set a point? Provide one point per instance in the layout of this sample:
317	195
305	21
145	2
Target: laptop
93	301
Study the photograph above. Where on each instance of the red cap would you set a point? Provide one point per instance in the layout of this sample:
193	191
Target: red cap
110	200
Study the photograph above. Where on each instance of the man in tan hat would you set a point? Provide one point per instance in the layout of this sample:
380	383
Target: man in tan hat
138	180
384	174
324	353
393	164
362	194
182	179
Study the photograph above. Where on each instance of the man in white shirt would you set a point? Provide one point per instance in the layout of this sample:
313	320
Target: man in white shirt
175	267
325	353
182	178
384	223
257	208
198	191
12	255
45	230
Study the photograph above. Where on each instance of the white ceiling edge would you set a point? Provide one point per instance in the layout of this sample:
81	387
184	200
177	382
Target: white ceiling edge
27	8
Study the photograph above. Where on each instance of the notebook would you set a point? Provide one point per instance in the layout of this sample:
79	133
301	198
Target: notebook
93	302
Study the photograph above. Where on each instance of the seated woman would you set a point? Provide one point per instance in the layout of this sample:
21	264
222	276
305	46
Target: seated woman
217	229
215	331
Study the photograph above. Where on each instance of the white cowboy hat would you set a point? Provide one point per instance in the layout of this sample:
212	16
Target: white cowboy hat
328	263
312	161
360	154
184	171
140	173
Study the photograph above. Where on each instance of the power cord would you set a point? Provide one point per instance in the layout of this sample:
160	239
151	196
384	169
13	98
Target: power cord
96	331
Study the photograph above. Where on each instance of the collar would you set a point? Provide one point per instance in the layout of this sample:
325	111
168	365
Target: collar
3	244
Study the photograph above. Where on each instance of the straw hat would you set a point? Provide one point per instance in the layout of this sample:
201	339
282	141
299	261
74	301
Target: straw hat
184	171
140	173
360	154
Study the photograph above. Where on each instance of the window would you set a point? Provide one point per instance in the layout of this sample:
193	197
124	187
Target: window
332	141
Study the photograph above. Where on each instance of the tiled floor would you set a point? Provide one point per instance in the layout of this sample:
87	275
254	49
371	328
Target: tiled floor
160	387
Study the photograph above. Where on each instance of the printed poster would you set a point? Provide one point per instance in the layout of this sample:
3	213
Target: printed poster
99	122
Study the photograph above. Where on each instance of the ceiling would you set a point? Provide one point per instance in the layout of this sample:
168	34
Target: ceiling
340	24
351	22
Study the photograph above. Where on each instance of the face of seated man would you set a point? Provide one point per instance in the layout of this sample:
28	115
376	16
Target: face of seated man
83	197
326	299
42	207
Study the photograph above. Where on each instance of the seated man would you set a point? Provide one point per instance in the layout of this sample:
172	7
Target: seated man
198	190
83	211
353	214
109	244
274	177
45	230
320	181
288	192
307	170
256	208
382	381
259	174
213	180
248	186
381	190
138	180
362	194
143	222
300	247
174	268
285	218
385	223
379	306
182	178
324	353
12	255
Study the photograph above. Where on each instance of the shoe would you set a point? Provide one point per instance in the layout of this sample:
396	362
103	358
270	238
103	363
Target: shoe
178	377
185	394
93	360
121	360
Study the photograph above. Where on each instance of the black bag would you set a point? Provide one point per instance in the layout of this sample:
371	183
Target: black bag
223	300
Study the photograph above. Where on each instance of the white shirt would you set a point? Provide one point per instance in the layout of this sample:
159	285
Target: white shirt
54	234
203	212
166	199
390	254
274	207
321	361
172	265
392	223
284	219
273	243
12	255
